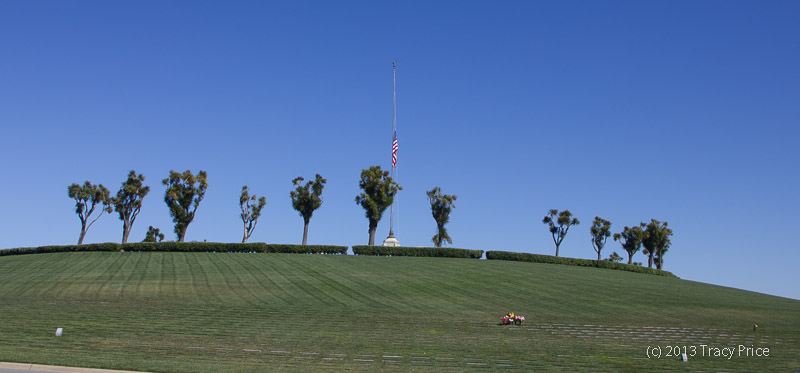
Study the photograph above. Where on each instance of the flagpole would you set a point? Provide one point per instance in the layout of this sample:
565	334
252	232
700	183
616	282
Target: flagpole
394	133
391	240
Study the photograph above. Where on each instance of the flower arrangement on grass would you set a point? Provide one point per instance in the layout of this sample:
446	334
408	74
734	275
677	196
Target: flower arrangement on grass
512	319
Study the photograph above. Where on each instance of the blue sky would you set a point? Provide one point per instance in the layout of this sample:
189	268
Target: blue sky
628	110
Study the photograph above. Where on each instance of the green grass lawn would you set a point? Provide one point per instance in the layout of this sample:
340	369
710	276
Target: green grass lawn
194	312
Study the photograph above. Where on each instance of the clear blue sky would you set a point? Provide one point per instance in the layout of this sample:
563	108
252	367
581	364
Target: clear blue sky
681	111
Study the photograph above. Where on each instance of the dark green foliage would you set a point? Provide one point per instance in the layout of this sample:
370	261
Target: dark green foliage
183	196
537	258
441	204
656	242
601	230
256	247
153	235
87	197
379	191
107	246
417	251
614	257
630	239
306	199
173	246
559	223
128	201
250	213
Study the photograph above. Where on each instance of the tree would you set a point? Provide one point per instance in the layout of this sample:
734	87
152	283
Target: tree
559	223
87	197
614	257
379	191
630	239
128	201
601	230
306	199
250	213
656	242
183	196
441	204
152	234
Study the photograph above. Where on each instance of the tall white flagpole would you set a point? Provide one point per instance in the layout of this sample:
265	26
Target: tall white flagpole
394	133
391	240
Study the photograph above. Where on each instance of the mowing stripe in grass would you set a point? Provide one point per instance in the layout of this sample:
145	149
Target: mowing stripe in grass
74	271
142	268
381	278
308	285
357	299
389	299
129	273
190	287
106	276
250	279
195	267
223	264
354	289
267	291
74	267
267	278
289	287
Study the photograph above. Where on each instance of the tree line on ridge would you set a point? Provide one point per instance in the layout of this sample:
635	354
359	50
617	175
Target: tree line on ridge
185	191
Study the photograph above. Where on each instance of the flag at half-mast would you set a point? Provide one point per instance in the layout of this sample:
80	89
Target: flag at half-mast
394	149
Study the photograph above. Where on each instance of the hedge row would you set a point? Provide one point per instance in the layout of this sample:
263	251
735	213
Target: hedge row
607	264
61	248
260	247
172	246
439	252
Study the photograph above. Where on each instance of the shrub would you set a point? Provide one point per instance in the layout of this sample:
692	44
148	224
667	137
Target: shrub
220	247
107	246
537	258
440	252
173	246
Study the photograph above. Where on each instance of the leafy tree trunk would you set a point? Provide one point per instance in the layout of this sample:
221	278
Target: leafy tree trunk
373	226
126	231
181	234
305	232
244	237
598	254
83	234
650	260
630	258
557	245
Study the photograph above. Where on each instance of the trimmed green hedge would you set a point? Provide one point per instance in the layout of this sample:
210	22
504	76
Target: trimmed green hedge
260	247
440	252
537	258
108	246
172	246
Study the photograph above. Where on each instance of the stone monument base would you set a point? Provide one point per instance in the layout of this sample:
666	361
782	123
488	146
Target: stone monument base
391	241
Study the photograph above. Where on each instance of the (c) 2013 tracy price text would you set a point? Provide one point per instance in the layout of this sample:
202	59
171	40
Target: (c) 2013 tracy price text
706	351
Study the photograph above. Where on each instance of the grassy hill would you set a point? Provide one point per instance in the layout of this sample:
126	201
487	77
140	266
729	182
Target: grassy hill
251	312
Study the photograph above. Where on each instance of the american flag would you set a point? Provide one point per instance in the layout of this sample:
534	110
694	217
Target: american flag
394	150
